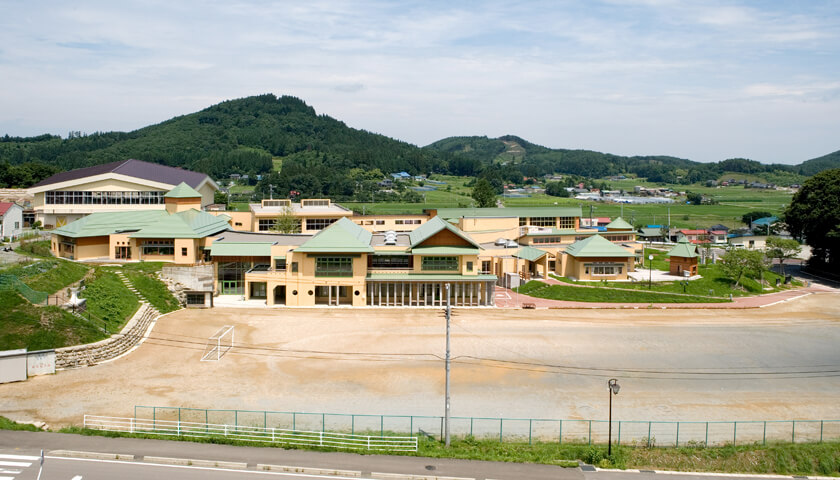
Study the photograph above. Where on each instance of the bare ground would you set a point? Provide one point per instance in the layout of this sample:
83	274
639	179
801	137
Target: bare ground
388	361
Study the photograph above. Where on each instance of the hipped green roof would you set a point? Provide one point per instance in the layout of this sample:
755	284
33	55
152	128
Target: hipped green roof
231	249
596	246
619	224
651	232
510	212
146	224
444	250
684	249
432	227
530	253
435	277
182	191
343	236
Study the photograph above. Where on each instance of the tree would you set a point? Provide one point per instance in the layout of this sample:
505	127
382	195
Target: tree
782	248
483	194
814	215
556	189
739	262
750	217
287	222
694	198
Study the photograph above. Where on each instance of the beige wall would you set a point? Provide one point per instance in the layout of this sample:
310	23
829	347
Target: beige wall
576	267
176	205
489	229
92	247
383	223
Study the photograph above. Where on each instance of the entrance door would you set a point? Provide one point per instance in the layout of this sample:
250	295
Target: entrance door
280	295
123	253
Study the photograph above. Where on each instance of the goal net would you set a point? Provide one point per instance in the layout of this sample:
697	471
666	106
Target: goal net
219	344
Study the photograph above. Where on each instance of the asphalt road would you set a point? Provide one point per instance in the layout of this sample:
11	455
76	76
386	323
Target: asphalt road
19	452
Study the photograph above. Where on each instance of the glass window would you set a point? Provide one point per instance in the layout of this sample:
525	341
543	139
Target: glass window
333	266
266	224
485	266
389	261
294	267
319	223
280	264
543	221
566	222
469	266
440	263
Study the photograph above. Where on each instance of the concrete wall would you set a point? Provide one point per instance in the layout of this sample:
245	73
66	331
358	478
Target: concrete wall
13	366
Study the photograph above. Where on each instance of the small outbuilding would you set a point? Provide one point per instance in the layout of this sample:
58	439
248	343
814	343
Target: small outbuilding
683	258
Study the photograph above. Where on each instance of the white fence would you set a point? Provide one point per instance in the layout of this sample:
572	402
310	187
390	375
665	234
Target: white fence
252	434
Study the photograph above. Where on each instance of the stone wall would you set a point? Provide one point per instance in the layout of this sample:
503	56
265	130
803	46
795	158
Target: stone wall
112	347
182	279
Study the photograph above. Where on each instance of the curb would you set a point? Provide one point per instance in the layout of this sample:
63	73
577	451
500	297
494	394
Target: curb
196	463
403	476
92	455
309	471
714	474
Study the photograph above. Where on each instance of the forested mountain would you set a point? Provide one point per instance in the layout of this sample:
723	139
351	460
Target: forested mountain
323	156
535	160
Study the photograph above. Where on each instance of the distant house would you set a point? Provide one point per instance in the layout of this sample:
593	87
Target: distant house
750	242
401	176
11	220
651	234
719	227
718	236
683	258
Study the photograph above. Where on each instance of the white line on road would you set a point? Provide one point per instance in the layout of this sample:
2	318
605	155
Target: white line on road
11	472
18	457
15	464
7	478
77	477
238	471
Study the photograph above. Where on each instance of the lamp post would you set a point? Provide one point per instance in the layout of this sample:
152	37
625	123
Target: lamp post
650	274
613	387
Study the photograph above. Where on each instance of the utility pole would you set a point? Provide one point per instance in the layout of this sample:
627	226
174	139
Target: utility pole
271	190
446	412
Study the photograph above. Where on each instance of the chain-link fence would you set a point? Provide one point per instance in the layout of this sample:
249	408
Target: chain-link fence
11	282
531	430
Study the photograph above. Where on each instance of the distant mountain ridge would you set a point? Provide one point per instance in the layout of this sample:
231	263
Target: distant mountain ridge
317	151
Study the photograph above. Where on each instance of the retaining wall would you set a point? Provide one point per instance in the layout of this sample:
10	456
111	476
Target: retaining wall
112	347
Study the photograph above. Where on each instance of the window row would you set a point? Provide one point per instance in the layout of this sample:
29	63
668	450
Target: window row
407	222
333	266
439	263
603	269
386	262
104	198
319	223
557	222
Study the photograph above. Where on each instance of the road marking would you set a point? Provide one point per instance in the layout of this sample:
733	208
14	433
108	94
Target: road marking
19	457
77	477
7	478
13	472
15	464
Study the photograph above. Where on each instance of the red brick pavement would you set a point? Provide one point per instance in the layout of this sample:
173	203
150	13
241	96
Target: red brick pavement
506	298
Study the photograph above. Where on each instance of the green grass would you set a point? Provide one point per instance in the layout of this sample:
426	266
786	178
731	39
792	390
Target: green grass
583	294
109	300
6	424
782	458
142	276
48	275
38	328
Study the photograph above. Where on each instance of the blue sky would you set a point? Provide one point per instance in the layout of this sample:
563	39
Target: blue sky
702	80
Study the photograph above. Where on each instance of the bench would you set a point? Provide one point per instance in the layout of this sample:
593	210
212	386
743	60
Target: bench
529	305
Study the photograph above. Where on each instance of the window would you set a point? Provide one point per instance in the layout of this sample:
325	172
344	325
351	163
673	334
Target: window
566	222
319	223
267	224
333	266
380	222
61	197
294	267
158	247
545	240
604	270
183	251
542	221
17	224
485	266
389	261
440	263
523	221
280	264
469	266
195	299
618	238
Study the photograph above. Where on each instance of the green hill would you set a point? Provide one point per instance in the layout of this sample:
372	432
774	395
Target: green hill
817	165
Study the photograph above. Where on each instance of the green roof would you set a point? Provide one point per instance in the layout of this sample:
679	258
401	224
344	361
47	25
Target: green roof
432	227
444	250
596	246
530	253
343	236
651	232
105	223
510	212
437	277
683	248
234	249
182	191
561	231
146	224
619	224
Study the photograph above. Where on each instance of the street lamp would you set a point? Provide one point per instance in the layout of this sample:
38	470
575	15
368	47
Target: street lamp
650	276
613	386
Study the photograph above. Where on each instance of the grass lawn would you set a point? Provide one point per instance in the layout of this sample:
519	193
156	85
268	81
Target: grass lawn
37	328
108	300
539	289
143	277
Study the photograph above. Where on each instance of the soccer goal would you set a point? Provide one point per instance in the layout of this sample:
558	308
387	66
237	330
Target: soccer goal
219	344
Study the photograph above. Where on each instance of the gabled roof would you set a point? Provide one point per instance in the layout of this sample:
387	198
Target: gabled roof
182	191
684	249
145	224
448	213
693	232
132	168
432	227
651	232
596	246
619	224
343	236
5	206
530	253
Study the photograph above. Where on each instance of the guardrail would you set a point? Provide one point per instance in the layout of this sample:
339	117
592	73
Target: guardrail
253	434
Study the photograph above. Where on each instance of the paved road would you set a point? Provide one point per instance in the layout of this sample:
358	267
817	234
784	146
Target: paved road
19	461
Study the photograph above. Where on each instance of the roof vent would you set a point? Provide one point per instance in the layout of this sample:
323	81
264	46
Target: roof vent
511	244
501	241
390	242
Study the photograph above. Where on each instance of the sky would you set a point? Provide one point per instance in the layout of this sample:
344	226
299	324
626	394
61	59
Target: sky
706	80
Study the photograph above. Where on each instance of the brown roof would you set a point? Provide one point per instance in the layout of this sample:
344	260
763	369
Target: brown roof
132	168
